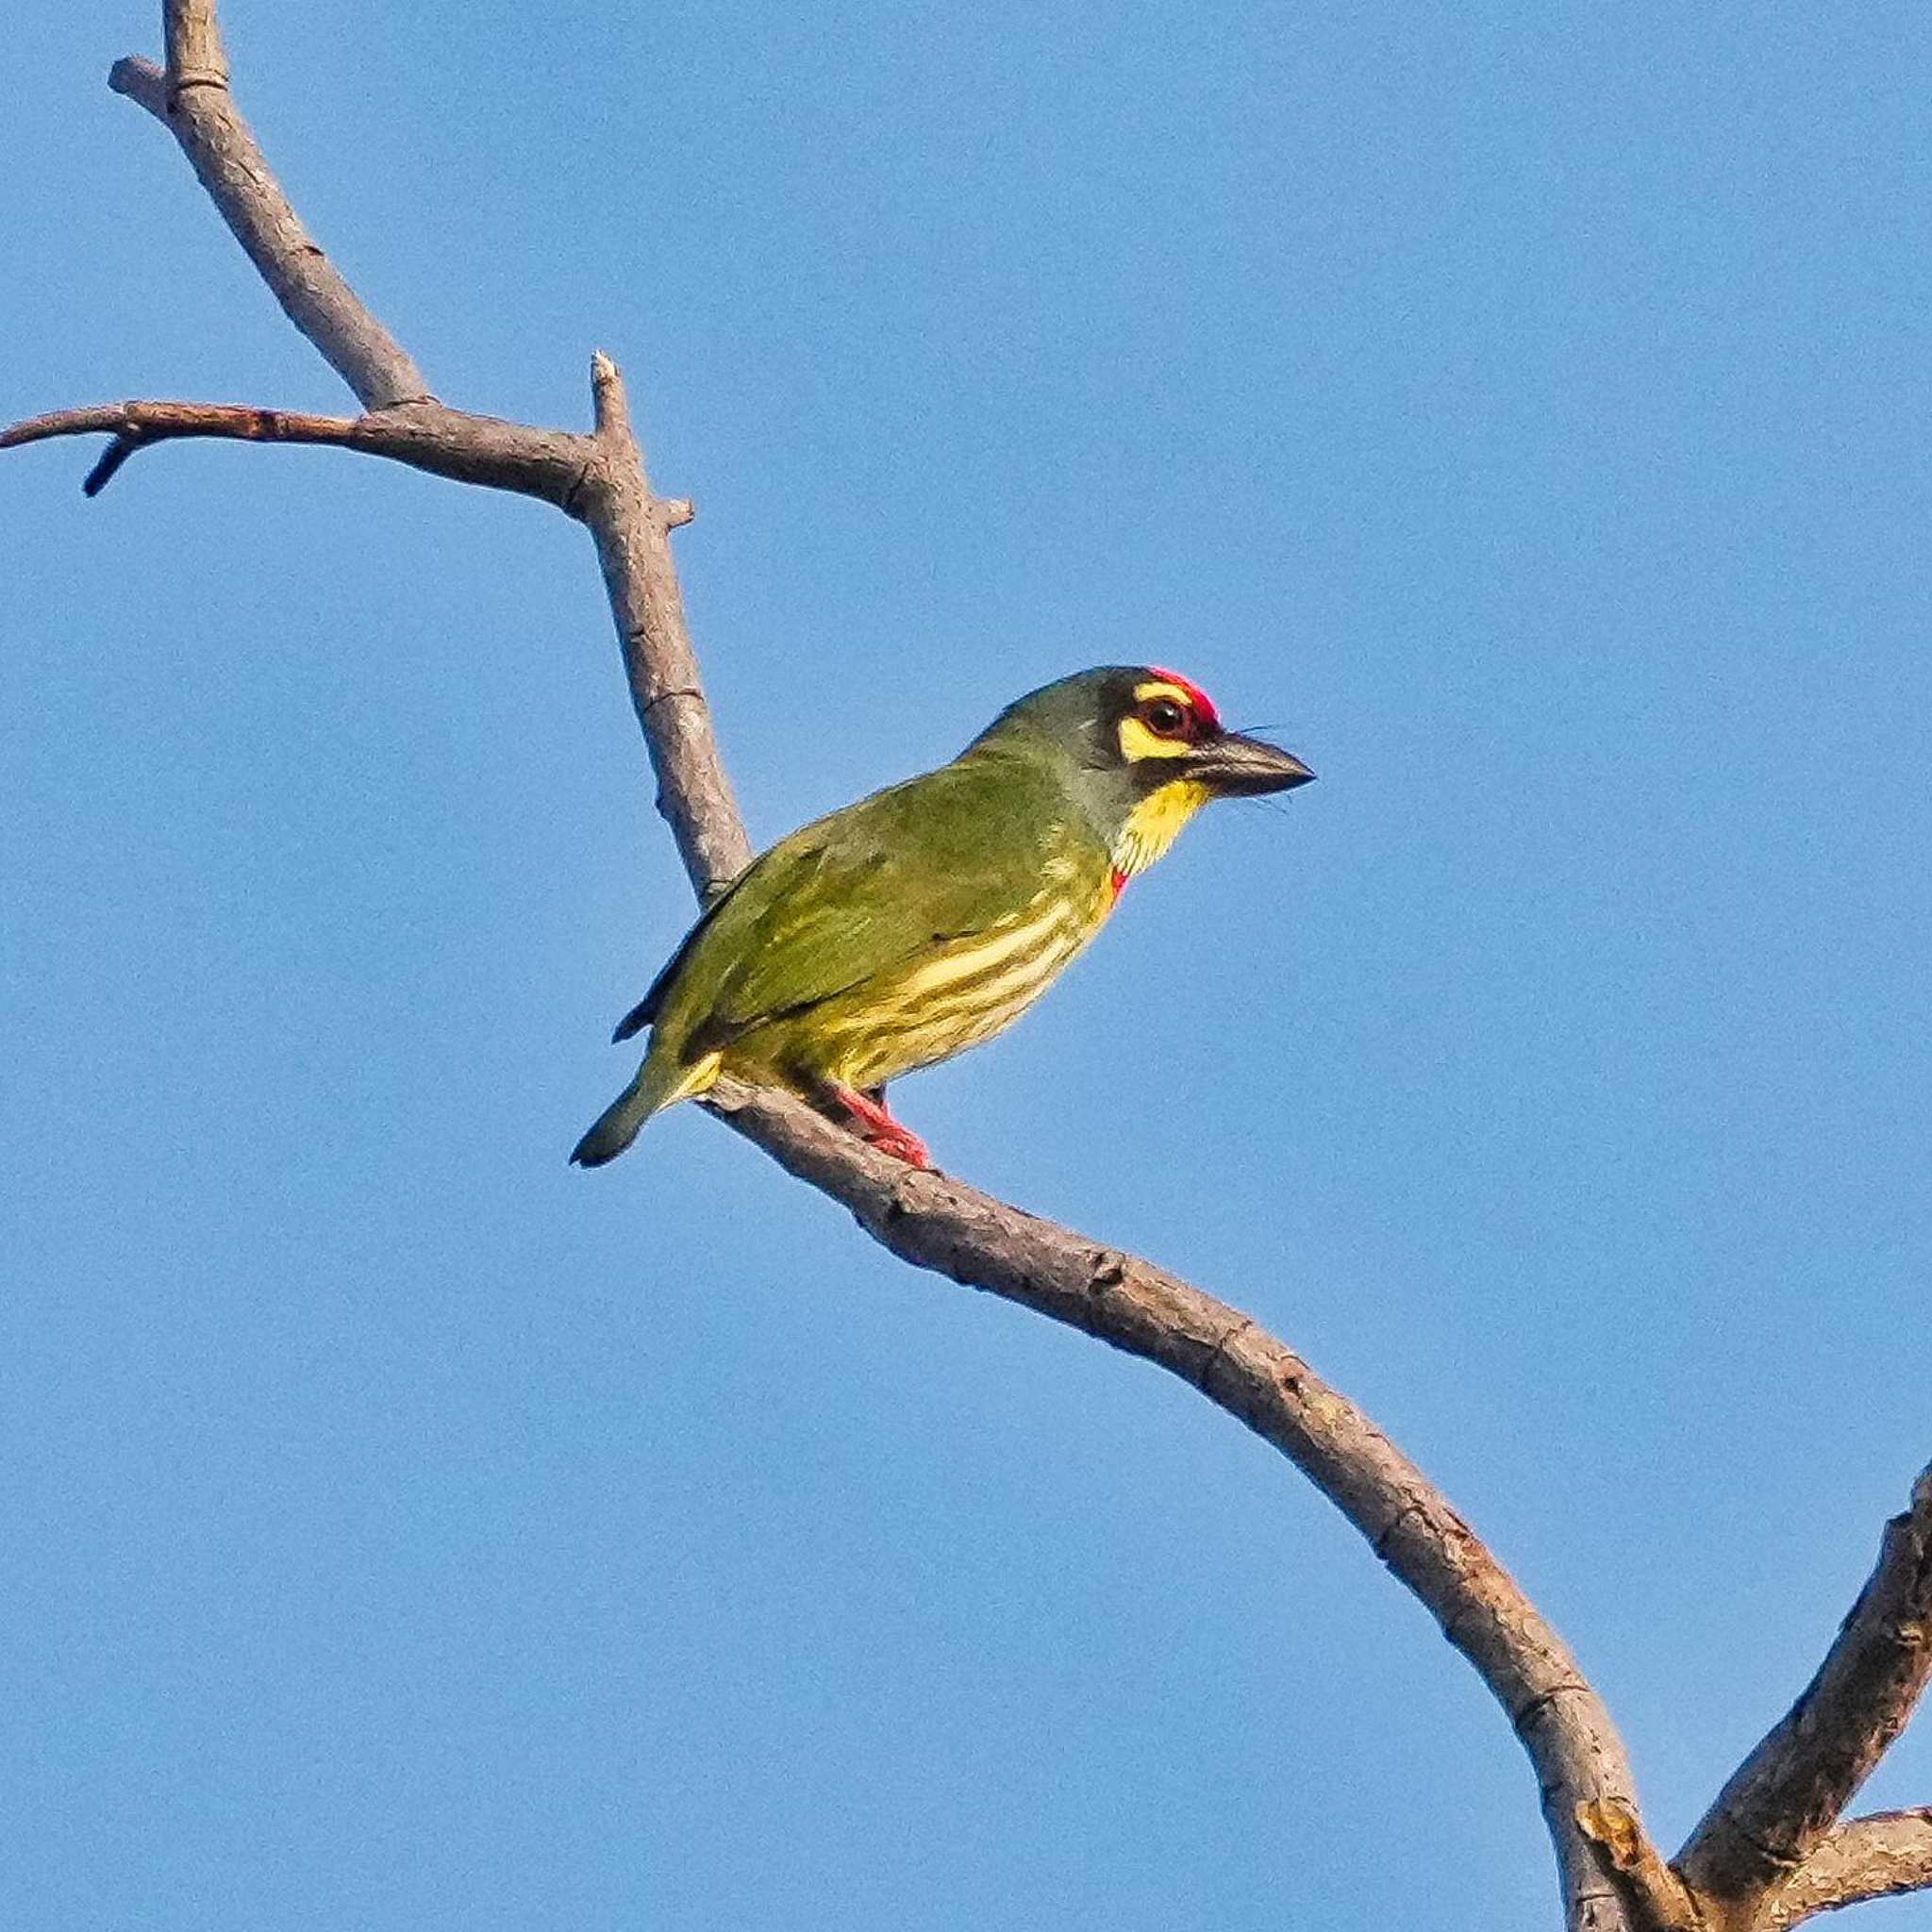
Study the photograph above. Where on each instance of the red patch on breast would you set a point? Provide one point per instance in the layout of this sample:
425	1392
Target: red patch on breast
1196	696
1118	878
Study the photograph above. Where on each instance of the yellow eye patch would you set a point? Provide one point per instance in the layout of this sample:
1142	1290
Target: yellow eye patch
1160	688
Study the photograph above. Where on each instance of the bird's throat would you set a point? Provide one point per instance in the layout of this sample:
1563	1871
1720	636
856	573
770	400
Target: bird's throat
1155	824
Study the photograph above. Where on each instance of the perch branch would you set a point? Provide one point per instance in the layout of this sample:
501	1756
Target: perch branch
1783	1800
1615	1879
1879	1857
936	1222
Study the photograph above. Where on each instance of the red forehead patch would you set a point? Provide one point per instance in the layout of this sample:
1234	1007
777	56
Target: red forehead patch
1196	696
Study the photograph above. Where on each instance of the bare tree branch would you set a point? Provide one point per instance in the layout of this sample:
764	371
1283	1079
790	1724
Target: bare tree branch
192	99
546	463
632	532
929	1221
1877	1856
937	1223
1615	1879
1786	1796
599	479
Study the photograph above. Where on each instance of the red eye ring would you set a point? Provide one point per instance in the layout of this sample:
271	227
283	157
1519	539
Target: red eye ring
1167	718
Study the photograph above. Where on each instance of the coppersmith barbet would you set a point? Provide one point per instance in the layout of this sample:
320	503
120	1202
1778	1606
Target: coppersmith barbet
928	917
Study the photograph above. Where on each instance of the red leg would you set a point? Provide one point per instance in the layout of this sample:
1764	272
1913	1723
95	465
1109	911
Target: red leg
877	1128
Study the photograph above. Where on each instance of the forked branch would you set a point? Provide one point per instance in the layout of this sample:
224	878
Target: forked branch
1614	1880
190	96
1780	1805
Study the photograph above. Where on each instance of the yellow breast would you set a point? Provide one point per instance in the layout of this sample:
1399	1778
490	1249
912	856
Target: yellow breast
960	995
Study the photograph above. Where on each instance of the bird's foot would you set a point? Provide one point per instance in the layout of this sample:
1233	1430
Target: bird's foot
877	1128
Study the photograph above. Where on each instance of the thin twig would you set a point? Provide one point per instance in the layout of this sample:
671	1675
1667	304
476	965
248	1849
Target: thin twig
1783	1800
544	463
631	529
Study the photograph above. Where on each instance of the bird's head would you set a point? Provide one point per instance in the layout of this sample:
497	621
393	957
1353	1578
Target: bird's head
1141	750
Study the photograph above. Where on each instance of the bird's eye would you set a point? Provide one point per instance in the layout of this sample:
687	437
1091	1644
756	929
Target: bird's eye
1165	718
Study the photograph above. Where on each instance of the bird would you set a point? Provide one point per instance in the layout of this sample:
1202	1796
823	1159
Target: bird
926	918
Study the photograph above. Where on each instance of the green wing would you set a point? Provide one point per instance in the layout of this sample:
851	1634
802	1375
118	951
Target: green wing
863	890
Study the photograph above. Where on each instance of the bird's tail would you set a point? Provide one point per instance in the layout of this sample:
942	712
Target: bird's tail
657	1083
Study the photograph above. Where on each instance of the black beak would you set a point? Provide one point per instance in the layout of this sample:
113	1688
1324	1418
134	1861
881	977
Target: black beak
1237	767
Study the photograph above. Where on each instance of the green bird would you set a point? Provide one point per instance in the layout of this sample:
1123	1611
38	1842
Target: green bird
928	917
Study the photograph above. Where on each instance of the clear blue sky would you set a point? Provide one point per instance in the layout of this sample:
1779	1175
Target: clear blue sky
1523	409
